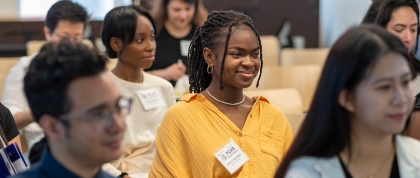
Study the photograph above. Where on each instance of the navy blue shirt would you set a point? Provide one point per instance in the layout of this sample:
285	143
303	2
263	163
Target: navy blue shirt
49	167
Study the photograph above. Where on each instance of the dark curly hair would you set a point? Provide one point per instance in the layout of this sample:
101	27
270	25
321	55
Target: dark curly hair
207	36
51	72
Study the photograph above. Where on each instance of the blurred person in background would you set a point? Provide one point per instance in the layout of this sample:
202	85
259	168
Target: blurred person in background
9	132
401	18
176	22
132	42
65	19
77	104
361	104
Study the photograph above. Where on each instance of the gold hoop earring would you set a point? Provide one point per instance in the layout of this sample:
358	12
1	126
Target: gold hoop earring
209	69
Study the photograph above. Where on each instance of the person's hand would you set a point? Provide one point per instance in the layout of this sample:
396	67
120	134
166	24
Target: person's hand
174	71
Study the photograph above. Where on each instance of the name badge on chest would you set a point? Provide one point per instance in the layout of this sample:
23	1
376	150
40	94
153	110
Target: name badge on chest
231	156
150	98
185	44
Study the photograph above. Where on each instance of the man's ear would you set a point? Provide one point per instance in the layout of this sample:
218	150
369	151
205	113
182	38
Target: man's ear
51	126
116	44
47	33
209	56
345	99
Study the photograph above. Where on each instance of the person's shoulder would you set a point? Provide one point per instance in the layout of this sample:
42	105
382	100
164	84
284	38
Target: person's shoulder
267	105
164	35
183	113
408	156
302	167
3	108
308	166
408	142
26	175
191	97
159	81
104	174
19	69
185	105
26	60
409	147
5	113
304	161
33	172
262	100
184	102
21	66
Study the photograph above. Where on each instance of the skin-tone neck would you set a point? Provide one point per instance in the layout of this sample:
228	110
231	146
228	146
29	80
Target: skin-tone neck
237	114
366	148
371	152
78	166
128	72
177	32
228	94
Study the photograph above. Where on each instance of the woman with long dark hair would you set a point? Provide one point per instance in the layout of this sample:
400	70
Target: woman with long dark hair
400	17
361	103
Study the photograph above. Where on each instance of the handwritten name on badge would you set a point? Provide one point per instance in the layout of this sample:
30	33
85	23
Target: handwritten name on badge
150	98
231	156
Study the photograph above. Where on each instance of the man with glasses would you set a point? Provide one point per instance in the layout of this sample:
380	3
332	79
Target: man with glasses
80	109
65	19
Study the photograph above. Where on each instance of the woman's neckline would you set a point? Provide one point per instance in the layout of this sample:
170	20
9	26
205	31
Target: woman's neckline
130	82
175	32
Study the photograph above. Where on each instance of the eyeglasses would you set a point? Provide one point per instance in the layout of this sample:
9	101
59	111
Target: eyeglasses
104	119
73	39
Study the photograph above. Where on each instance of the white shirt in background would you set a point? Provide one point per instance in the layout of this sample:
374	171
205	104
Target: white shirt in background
139	138
14	98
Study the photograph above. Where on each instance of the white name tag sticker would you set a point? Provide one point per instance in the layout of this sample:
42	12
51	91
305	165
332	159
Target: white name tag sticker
231	156
150	98
185	44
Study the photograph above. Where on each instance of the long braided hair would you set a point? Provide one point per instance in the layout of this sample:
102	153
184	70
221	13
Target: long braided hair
208	35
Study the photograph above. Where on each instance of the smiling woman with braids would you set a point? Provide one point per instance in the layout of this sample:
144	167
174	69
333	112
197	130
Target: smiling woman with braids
217	131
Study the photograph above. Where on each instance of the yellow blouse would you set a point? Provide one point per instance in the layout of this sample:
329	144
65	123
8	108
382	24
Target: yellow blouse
194	129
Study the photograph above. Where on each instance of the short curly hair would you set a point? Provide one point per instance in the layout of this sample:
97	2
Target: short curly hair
51	72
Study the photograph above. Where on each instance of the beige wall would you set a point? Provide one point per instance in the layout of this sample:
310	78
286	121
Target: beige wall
8	9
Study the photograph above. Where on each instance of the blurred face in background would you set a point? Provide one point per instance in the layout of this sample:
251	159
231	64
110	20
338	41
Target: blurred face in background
404	24
180	13
65	29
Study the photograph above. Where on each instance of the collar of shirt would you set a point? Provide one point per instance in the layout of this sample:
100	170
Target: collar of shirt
50	167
